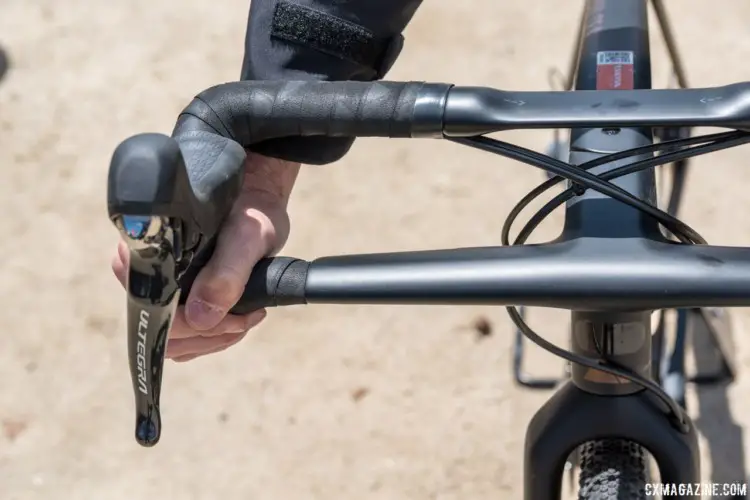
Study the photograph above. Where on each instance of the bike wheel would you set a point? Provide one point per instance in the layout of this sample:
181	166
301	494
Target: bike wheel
612	469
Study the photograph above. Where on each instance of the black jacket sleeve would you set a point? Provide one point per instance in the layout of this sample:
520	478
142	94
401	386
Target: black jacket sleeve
322	40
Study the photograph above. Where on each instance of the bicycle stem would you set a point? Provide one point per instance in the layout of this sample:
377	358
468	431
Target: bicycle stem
153	295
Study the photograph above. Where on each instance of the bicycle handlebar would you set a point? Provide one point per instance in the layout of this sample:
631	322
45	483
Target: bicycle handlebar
168	196
581	275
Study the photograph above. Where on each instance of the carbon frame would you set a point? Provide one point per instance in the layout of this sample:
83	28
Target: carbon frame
593	405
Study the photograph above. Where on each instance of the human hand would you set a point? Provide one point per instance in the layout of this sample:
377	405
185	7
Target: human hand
257	226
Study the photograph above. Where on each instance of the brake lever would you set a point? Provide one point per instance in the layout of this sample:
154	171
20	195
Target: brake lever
166	221
153	294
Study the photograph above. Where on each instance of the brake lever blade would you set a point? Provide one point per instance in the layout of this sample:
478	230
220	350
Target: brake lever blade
168	220
153	294
148	202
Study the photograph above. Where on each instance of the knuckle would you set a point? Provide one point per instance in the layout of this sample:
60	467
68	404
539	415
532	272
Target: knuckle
122	253
116	264
224	286
119	269
249	227
255	227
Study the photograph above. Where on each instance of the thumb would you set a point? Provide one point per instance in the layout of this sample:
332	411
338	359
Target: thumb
219	285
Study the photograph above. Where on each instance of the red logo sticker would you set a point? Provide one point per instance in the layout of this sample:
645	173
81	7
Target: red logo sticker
614	70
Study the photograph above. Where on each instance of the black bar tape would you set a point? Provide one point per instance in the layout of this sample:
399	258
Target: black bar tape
269	57
275	281
251	112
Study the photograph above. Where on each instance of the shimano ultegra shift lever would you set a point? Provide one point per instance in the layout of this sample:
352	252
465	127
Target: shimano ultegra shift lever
152	293
167	218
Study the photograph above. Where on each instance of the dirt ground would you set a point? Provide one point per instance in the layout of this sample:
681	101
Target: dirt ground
328	402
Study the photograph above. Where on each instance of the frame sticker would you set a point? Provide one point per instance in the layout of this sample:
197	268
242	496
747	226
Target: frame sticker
615	70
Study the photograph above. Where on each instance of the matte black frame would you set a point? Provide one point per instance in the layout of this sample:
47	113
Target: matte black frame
577	413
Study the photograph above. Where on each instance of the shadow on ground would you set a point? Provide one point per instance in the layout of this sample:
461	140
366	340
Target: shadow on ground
724	436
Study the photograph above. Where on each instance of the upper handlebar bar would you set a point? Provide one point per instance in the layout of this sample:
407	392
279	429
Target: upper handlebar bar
251	112
181	188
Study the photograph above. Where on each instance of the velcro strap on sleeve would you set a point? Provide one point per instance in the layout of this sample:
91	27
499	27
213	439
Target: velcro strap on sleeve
334	36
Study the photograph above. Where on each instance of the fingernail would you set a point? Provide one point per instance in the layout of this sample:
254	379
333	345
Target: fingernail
232	337
256	317
187	357
202	316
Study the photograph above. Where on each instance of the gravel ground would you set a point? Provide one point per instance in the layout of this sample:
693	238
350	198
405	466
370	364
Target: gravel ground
328	402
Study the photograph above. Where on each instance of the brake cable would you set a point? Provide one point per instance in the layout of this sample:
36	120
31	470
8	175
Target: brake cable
581	180
542	213
673	156
584	178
